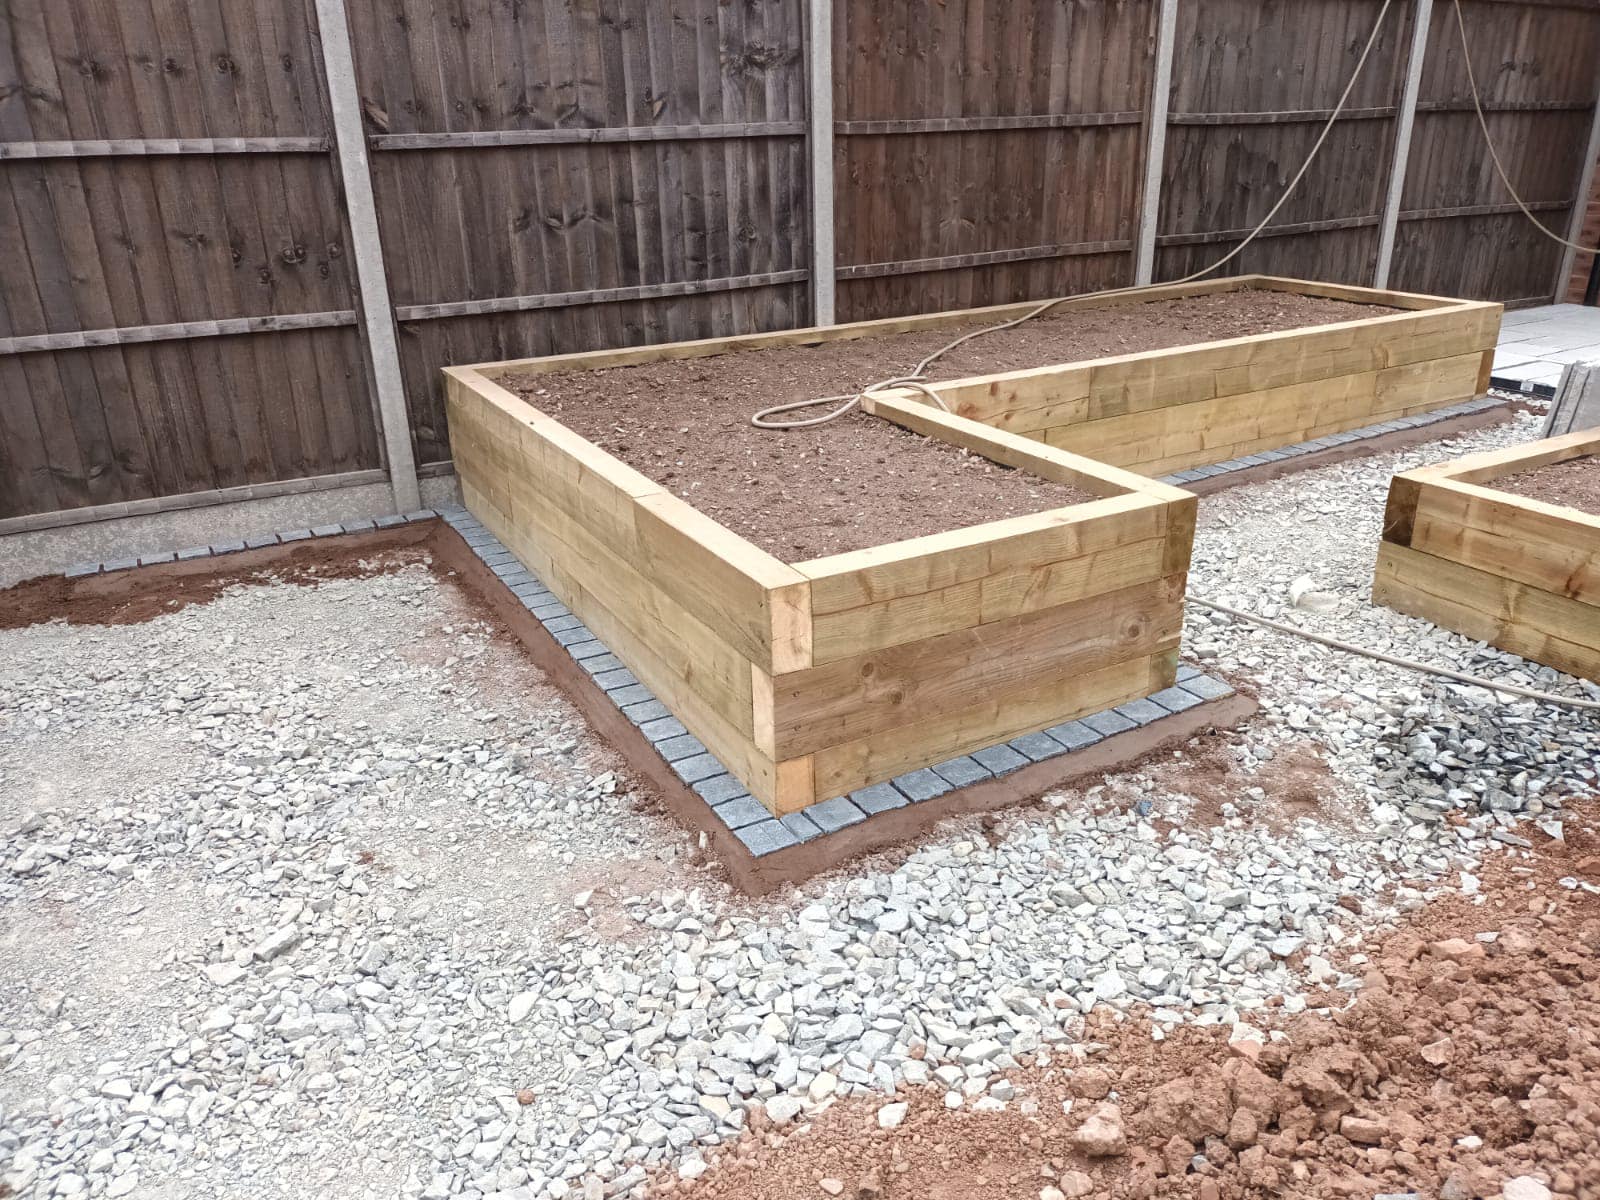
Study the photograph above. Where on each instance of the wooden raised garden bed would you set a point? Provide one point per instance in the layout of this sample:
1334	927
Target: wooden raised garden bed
812	679
1519	573
1163	411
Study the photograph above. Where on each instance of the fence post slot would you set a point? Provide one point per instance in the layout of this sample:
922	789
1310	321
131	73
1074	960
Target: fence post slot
1405	117
377	308
1144	263
819	148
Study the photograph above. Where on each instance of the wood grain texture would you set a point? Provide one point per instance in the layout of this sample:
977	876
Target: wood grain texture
1519	573
885	656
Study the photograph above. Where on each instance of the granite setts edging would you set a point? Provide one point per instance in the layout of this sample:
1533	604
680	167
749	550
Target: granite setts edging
749	820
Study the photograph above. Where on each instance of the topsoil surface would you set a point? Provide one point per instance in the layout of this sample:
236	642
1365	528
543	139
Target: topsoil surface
1575	483
1468	1060
860	481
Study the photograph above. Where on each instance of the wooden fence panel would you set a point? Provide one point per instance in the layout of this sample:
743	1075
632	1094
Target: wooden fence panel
697	188
180	311
113	232
1063	189
1537	60
1252	87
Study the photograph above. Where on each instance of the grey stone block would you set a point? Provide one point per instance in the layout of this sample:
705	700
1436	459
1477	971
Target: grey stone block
802	826
959	772
1142	711
1109	722
119	564
647	710
1000	760
765	837
1174	699
634	693
921	785
365	525
512	572
1074	735
194	552
226	547
326	530
495	555
719	789
260	541
880	797
697	767
420	514
295	535
389	521
600	663
81	569
1036	746
675	749
834	815
1207	688
1186	671
587	650
531	591
660	731
150	560
741	811
571	637
617	677
547	610
563	621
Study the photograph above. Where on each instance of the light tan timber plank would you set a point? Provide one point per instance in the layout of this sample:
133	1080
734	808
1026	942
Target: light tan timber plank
997	715
1014	450
907	684
1549	629
677	673
994	597
943	560
1385	297
1543	545
723	579
1491	464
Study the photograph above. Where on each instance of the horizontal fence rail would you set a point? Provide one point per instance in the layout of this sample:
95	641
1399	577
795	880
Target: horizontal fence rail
243	272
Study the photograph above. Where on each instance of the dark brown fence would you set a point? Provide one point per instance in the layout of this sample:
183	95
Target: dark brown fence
180	300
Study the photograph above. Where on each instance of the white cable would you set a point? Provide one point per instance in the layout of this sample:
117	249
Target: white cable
1494	155
1392	660
763	418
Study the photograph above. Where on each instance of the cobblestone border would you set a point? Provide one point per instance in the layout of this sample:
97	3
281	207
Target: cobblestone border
255	542
1415	421
741	813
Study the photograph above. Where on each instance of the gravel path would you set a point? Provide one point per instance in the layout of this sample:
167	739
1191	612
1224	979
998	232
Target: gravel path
317	891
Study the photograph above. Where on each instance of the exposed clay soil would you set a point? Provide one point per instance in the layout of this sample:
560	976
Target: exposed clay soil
1469	1059
1574	483
860	482
129	597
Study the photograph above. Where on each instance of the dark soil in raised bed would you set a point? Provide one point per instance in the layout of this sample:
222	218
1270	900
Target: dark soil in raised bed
1575	483
861	481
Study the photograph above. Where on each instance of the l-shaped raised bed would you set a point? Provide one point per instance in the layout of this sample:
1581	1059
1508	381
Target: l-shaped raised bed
902	624
814	678
1494	546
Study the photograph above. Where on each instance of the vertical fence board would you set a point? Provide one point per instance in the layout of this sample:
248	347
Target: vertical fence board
982	151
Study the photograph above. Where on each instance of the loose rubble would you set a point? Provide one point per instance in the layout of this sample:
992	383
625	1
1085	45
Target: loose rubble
312	876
